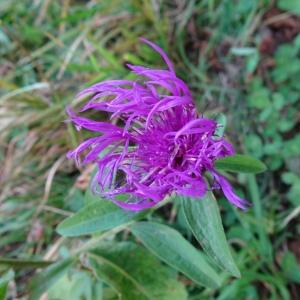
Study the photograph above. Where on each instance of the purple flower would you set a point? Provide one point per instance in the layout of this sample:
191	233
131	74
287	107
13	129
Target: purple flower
161	146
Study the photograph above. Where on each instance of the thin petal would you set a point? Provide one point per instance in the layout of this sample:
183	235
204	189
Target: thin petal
229	193
161	52
91	124
202	125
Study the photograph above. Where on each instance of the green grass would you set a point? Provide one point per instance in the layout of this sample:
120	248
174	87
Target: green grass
50	50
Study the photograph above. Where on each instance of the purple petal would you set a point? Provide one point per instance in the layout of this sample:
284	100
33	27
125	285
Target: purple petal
161	52
229	193
91	124
203	125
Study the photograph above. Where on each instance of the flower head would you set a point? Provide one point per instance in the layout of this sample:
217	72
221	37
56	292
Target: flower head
163	145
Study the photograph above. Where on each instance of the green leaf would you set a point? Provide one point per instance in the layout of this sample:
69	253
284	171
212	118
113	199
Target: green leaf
240	163
108	56
259	98
222	122
170	246
96	216
290	267
134	273
76	285
24	263
246	51
204	219
4	281
290	5
46	278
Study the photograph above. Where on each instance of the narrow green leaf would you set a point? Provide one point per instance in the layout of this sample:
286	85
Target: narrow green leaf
244	51
222	122
265	245
107	55
96	216
240	163
46	278
204	219
24	263
4	281
170	246
134	273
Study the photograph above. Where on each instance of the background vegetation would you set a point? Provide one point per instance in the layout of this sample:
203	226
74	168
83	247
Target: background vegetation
240	58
